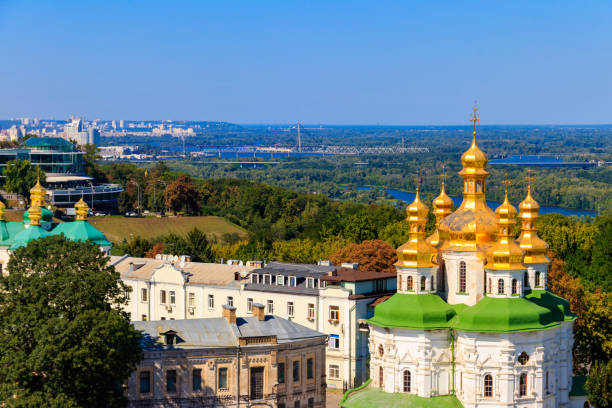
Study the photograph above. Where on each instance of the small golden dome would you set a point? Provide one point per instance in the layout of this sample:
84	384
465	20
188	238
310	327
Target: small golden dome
442	207
505	254
2	207
535	248
35	213
416	252
38	194
81	209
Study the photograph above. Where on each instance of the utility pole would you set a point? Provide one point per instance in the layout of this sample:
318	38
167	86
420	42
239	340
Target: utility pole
299	138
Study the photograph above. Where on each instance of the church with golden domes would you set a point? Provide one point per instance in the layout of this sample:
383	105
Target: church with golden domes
38	223
472	320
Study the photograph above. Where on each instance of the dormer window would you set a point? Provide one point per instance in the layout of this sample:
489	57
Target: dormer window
310	283
255	278
292	281
169	337
280	280
267	279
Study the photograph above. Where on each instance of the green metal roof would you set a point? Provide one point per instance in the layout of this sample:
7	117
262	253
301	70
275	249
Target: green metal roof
45	213
81	231
49	142
538	310
29	234
426	311
504	315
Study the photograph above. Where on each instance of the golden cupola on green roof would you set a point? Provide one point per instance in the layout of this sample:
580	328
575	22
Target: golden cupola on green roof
535	248
505	254
81	209
416	252
442	207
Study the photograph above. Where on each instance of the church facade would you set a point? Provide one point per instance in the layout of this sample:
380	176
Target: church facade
472	317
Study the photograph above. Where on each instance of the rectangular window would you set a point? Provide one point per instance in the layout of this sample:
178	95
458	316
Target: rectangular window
196	379
309	368
143	294
311	311
296	371
171	381
290	309
255	278
296	404
172	297
128	290
192	300
280	280
257	383
310	402
249	305
267	279
144	318
334	371
292	281
270	307
334	313
223	378
334	341
211	301
162	296
145	382
230	301
281	373
310	283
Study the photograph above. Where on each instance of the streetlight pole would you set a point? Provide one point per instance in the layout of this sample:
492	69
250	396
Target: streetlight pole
138	193
92	196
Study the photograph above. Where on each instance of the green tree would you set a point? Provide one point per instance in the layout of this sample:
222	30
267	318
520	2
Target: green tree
92	154
599	384
64	339
20	177
199	247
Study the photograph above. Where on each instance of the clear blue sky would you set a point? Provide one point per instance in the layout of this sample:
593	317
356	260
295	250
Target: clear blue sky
330	62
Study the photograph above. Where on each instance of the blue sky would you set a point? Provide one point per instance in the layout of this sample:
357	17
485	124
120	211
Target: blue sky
338	62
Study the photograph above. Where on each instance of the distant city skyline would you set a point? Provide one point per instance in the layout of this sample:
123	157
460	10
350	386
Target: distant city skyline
340	63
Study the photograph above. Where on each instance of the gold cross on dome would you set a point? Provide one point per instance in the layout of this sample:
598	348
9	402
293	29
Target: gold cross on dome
475	119
443	175
529	178
506	183
417	180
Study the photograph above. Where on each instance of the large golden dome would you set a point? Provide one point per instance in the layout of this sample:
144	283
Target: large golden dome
474	225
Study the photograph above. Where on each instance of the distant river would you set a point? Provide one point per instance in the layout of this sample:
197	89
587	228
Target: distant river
409	197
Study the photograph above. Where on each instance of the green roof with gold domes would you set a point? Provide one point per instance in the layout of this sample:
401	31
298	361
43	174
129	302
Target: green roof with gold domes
38	223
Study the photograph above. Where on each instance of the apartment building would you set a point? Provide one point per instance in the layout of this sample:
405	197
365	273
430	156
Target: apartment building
326	298
254	361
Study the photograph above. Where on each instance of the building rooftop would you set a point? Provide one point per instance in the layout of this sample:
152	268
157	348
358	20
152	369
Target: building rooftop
356	275
297	270
198	273
218	332
54	143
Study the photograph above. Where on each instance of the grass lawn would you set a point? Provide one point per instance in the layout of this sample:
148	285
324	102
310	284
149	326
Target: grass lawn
373	397
118	227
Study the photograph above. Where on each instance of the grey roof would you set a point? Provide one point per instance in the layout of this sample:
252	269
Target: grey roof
298	270
217	332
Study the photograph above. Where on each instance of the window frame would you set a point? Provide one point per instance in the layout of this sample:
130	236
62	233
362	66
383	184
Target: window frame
334	341
167	382
280	280
224	370
334	371
249	305
406	380
311	308
144	295
290	309
270	306
523	385
172	297
501	289
199	386
211	301
487	384
334	311
462	281
140	379
295	372
162	297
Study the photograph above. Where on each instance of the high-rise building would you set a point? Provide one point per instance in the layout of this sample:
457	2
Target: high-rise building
121	124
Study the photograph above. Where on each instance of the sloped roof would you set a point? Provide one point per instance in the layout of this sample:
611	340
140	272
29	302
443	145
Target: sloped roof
356	275
218	332
29	234
81	231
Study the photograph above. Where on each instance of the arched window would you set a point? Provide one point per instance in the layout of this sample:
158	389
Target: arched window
409	283
500	287
523	385
380	377
406	381
526	279
490	286
441	273
488	385
462	277
514	286
478	187
423	284
431	283
537	278
546	387
381	350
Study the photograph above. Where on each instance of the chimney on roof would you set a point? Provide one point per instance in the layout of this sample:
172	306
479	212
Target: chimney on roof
325	262
350	265
131	267
229	313
259	311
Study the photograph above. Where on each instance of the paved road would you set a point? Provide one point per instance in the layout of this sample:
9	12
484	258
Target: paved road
333	397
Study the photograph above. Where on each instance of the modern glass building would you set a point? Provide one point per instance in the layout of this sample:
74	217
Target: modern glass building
63	165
